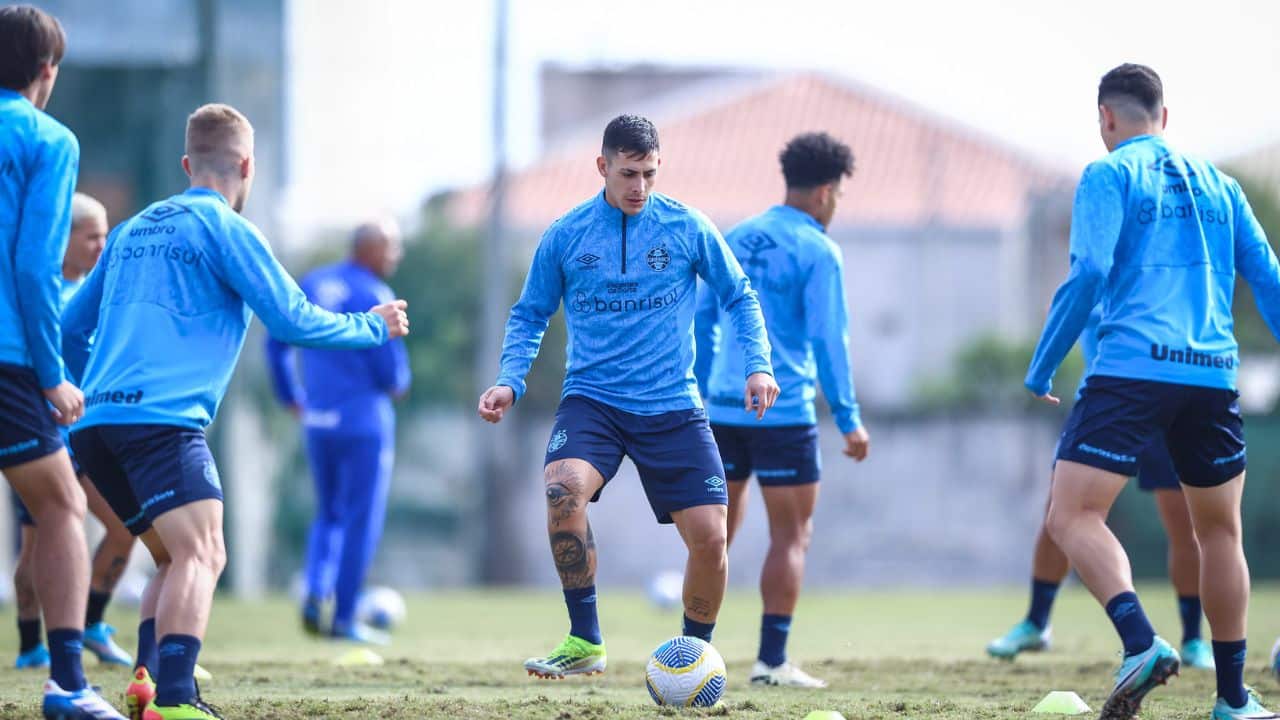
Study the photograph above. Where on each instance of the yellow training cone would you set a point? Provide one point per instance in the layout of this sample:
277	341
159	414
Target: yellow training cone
1061	702
824	715
359	656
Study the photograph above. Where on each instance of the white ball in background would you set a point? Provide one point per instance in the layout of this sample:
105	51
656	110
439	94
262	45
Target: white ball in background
382	607
666	590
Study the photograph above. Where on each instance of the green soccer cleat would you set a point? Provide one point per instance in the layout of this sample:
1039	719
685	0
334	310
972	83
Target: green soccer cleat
573	656
1137	676
1023	637
1197	654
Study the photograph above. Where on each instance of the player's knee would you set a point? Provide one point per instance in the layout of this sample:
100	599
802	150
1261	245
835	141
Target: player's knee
1057	523
710	545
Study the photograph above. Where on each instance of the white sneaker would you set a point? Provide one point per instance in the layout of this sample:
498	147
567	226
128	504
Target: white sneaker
785	675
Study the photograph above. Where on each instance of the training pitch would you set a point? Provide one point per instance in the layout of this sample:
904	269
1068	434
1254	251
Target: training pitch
916	654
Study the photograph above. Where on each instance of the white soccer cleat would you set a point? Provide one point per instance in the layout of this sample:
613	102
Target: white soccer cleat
785	675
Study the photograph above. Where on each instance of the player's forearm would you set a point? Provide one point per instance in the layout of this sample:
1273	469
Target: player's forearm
1067	319
748	324
835	373
37	294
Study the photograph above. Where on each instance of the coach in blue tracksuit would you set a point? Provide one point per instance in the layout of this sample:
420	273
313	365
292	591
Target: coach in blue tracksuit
344	398
625	264
798	273
1157	237
168	307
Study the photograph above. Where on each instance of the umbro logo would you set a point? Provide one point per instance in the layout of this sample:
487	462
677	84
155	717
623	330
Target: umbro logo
759	243
163	211
588	259
714	484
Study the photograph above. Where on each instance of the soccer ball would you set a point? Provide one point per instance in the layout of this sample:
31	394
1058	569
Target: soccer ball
666	590
1275	659
381	607
685	672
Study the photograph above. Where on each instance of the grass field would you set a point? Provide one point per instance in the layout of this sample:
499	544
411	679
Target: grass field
896	655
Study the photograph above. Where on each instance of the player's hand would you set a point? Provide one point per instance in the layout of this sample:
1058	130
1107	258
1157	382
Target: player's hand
495	402
395	316
67	401
857	444
762	391
1049	399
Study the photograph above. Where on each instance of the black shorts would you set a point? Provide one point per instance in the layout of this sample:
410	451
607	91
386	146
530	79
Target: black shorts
27	428
144	471
674	451
1116	419
779	455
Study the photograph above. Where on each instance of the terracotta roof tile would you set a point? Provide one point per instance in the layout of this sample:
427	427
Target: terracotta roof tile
913	168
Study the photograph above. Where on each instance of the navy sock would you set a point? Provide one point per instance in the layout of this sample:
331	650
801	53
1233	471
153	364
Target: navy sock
1189	609
175	684
28	634
700	630
1131	623
1042	597
147	649
1228	658
773	639
65	647
96	607
583	621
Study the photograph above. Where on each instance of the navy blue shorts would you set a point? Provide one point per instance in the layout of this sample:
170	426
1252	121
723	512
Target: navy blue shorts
27	428
674	451
144	471
1116	419
779	455
1155	468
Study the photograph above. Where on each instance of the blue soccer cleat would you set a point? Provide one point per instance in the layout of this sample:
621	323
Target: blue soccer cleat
1197	654
359	632
98	640
1252	710
1137	676
35	658
83	704
1023	637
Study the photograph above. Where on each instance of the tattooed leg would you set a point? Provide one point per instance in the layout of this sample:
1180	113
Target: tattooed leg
570	484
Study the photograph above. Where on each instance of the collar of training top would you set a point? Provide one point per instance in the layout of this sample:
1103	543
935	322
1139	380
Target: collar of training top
206	191
1134	139
611	212
798	214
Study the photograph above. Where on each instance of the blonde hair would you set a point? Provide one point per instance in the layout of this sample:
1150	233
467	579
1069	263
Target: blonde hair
218	138
85	206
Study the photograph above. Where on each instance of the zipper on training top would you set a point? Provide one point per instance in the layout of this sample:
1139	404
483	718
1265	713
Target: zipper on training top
624	243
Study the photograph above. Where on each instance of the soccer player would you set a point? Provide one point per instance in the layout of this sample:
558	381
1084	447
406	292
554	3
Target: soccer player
798	273
344	398
170	306
625	264
39	160
1158	238
88	234
1049	567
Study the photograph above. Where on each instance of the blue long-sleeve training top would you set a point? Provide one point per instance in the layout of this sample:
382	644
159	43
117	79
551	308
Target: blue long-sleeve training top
629	288
1158	238
170	301
345	390
39	161
798	273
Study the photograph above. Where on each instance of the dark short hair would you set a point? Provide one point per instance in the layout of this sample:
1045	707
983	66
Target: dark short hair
1137	84
813	159
29	38
631	135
